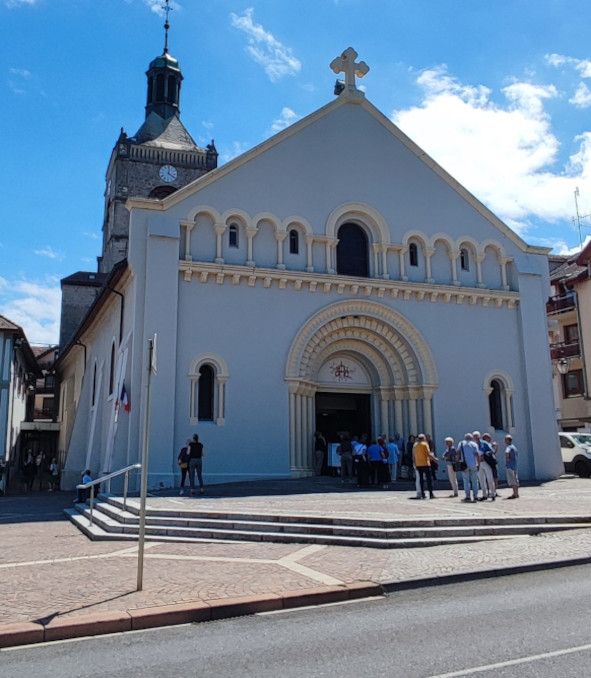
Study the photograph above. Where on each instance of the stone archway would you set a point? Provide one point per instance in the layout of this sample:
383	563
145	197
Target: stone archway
403	374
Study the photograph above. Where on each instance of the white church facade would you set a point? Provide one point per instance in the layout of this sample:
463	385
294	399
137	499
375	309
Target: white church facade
332	278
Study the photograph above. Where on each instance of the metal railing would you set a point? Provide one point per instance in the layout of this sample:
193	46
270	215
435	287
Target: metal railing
561	303
107	478
565	349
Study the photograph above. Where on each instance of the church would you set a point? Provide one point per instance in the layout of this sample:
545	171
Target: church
333	278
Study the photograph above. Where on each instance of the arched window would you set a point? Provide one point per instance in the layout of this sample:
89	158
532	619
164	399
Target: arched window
150	88
495	405
413	254
205	395
159	88
112	369
171	94
161	192
94	385
352	251
294	242
233	236
464	259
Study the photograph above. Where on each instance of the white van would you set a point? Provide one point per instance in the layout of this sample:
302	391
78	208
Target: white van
576	452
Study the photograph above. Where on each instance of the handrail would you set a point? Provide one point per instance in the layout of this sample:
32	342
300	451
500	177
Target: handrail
108	476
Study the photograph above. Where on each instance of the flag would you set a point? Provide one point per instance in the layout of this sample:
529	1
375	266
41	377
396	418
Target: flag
124	400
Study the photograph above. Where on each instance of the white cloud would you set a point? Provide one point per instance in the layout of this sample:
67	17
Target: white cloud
157	6
563	248
20	72
237	148
92	235
33	305
207	124
505	153
19	3
285	119
264	48
582	97
49	252
582	66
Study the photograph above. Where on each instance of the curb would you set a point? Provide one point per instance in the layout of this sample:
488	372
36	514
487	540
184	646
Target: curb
100	623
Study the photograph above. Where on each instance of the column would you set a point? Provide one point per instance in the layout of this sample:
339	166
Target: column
479	260
454	267
503	263
376	261
221	386
401	254
188	225
292	435
309	257
298	431
311	429
385	274
251	231
219	232
398	423
384	414
429	252
304	431
280	236
412	416
427	415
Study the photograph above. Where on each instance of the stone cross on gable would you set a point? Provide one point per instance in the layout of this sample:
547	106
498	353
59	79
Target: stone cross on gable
346	64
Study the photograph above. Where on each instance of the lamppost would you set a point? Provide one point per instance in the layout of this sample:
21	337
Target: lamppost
562	365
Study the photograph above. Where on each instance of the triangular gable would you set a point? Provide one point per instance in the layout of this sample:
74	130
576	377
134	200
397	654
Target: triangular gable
205	180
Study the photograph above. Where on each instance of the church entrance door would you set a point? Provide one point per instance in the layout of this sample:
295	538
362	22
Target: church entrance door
338	413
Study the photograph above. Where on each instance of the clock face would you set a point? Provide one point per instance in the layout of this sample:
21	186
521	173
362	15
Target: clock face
168	173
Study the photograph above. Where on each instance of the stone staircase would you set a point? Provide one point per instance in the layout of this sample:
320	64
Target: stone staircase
113	521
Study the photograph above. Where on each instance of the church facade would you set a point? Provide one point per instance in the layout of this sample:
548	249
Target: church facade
334	278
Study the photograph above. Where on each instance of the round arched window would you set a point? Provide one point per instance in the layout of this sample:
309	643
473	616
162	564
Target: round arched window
352	251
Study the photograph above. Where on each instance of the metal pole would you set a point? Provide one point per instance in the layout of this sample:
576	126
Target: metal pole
144	484
91	501
125	487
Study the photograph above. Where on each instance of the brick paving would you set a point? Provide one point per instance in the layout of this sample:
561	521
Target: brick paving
48	568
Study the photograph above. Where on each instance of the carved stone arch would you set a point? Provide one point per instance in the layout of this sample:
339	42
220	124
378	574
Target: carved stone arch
467	240
416	235
444	238
298	223
502	376
220	377
211	212
505	396
236	216
493	244
217	361
364	215
271	218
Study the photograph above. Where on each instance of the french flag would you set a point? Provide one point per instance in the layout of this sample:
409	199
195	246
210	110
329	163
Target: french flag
124	399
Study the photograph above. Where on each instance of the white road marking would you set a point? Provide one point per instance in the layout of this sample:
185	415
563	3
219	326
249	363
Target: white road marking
213	559
303	552
308	572
514	662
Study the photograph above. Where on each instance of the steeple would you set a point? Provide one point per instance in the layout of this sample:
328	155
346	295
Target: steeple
164	79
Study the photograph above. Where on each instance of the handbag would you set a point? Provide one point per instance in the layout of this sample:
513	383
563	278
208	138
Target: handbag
462	466
183	465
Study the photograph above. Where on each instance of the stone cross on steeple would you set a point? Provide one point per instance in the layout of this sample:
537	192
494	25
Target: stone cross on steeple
346	64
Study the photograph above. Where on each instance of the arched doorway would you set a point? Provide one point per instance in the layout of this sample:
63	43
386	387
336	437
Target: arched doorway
358	351
352	251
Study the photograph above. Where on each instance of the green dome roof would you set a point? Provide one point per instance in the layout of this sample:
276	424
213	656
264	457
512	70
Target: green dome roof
165	60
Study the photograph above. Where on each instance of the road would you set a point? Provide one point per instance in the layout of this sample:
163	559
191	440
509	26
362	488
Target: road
504	624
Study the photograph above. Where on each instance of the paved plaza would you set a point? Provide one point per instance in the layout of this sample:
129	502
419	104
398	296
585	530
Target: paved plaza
48	568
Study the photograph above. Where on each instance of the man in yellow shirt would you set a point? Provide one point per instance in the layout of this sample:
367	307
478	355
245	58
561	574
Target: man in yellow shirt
421	459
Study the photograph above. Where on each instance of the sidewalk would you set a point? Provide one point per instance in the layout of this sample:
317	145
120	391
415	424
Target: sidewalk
49	570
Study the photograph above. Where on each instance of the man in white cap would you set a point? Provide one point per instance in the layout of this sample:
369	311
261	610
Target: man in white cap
485	472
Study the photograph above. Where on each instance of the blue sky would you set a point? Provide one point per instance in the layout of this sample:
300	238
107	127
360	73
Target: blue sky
498	92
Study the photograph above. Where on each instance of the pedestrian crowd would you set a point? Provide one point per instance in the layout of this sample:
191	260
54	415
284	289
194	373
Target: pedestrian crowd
379	461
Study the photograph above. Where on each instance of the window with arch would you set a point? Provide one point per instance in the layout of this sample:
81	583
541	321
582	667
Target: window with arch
233	236
500	405
112	370
294	242
413	254
208	376
464	259
352	251
159	88
161	192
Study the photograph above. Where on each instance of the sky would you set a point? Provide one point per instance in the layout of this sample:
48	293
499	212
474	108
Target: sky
499	93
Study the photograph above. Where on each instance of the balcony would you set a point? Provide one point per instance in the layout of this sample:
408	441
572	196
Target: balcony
560	304
43	414
565	350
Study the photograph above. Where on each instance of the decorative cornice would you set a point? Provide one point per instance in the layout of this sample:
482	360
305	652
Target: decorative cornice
365	287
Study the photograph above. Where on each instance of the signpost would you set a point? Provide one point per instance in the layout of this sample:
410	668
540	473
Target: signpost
145	457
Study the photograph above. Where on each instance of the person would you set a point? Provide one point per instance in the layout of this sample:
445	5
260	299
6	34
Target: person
450	458
345	451
495	469
511	466
363	466
196	455
83	492
320	448
485	464
468	456
29	471
183	462
54	475
407	458
421	457
384	475
374	456
41	463
434	461
393	457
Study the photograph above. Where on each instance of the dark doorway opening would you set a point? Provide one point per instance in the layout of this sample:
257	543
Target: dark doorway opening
343	413
352	251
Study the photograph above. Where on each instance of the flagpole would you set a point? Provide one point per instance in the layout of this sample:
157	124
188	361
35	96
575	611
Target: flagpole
144	482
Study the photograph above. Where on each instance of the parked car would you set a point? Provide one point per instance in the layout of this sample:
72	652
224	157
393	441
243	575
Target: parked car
576	452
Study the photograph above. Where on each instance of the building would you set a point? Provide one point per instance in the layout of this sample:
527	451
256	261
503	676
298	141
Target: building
333	278
569	323
18	373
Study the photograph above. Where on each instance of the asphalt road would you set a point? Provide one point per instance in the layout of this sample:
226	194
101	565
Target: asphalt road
531	625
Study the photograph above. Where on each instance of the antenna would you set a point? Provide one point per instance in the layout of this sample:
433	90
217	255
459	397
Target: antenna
167	10
579	216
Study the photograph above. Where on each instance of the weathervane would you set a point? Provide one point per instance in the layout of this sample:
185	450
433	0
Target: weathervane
167	10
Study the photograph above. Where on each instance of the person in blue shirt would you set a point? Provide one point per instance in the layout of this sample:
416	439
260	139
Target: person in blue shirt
393	457
511	466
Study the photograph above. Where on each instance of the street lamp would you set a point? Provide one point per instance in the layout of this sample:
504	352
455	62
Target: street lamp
563	365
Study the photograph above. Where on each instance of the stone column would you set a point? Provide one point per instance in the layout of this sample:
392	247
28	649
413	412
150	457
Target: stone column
376	260
503	264
188	226
251	231
454	267
429	252
398	423
220	229
309	256
412	415
298	431
384	401
292	435
311	429
280	236
385	273
479	260
328	257
427	414
401	254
